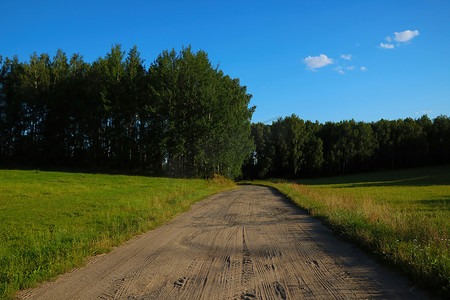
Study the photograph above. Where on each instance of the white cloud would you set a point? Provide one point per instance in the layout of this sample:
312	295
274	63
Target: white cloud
350	68
363	69
405	36
339	70
386	46
346	56
388	39
315	62
424	112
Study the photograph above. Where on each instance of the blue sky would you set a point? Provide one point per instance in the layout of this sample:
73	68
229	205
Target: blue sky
322	60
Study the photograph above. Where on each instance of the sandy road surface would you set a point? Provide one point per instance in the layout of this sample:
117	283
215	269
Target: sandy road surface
243	244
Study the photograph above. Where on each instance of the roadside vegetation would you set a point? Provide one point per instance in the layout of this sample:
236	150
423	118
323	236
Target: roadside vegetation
403	216
51	221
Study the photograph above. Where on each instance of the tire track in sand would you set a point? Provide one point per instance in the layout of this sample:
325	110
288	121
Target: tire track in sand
243	244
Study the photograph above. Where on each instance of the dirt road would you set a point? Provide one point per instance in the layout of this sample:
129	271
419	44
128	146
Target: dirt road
243	244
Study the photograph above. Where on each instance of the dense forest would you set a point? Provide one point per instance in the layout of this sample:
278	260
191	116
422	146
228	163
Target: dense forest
180	117
294	148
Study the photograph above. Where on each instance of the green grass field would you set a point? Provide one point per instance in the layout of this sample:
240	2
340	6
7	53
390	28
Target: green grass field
51	221
403	217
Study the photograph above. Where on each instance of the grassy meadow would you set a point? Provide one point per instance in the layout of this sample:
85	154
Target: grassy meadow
51	221
403	217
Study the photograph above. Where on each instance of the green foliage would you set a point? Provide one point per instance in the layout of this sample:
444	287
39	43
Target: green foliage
182	116
293	148
400	216
52	221
287	148
204	114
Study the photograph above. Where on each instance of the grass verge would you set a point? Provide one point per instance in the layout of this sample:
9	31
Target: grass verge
51	221
402	217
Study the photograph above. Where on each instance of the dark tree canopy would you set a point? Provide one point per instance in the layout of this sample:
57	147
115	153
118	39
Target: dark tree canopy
181	116
293	148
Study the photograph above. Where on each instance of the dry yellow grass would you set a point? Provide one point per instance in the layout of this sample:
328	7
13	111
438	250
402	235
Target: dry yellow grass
402	217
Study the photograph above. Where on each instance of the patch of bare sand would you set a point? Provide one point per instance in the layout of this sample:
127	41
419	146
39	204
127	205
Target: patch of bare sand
242	244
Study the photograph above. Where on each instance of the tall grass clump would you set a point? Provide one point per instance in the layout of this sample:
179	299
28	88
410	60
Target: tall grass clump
402	217
52	221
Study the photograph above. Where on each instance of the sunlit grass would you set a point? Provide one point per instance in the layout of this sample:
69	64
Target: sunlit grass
51	221
402	216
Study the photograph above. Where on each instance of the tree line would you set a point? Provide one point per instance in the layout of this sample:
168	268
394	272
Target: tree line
294	148
182	116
